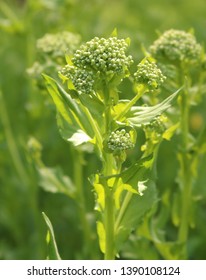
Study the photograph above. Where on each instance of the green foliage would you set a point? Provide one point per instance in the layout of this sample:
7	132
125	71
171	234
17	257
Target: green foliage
105	60
53	253
42	36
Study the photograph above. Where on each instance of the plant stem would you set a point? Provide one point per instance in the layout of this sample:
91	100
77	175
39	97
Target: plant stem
109	225
185	173
130	104
109	215
95	129
78	175
108	169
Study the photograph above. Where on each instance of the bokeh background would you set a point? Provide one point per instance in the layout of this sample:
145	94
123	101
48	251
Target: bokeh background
26	113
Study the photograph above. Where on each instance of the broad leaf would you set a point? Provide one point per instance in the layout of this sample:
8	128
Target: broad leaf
53	253
53	180
94	104
71	116
70	133
119	190
134	206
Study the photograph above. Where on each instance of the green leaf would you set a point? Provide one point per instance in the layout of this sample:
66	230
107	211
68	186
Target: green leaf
71	116
136	208
139	115
133	206
99	191
135	172
96	107
151	229
79	138
71	133
170	131
171	250
114	33
53	253
53	180
119	190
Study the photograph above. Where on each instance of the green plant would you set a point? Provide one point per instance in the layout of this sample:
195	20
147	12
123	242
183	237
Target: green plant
181	58
90	112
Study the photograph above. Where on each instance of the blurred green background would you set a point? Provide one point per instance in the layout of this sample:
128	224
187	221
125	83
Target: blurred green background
26	113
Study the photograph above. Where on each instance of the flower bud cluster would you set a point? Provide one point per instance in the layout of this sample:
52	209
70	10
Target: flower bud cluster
157	125
176	45
149	74
154	132
82	80
120	140
103	56
59	43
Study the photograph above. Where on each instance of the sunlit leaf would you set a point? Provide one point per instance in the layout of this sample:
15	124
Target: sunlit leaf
102	236
170	131
142	187
99	190
119	190
71	119
139	115
136	208
133	206
79	138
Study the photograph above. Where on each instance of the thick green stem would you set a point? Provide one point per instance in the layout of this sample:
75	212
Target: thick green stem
109	167
109	225
109	213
